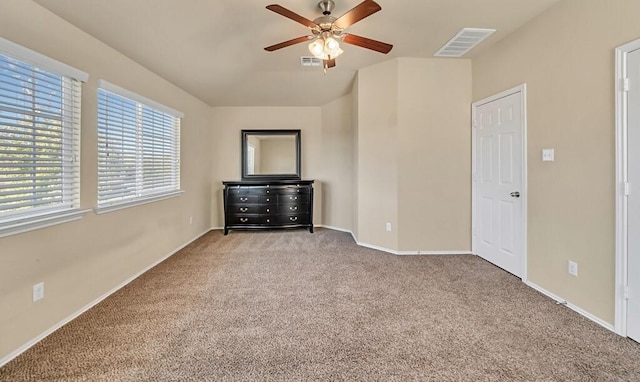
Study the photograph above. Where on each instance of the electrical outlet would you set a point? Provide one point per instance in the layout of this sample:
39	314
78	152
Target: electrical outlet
548	155
573	268
388	227
190	219
38	291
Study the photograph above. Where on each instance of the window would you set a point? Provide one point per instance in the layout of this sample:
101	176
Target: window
138	149
39	140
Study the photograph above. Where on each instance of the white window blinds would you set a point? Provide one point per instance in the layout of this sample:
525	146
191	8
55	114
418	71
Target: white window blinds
39	139
138	148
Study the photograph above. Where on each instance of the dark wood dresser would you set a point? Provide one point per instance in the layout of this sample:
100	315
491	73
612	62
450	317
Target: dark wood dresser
269	204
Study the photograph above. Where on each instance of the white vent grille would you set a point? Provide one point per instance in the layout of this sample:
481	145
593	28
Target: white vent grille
463	42
310	61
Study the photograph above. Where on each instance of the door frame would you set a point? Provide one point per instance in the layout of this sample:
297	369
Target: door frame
522	89
621	281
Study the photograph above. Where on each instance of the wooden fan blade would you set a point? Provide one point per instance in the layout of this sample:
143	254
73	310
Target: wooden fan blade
287	43
368	43
291	15
330	63
362	10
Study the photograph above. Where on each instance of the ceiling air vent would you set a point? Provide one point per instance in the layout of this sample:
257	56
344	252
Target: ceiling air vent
463	42
310	61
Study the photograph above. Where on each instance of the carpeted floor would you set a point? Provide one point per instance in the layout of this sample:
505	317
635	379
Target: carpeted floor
295	306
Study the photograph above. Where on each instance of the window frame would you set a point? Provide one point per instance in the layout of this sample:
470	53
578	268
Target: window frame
28	220
141	101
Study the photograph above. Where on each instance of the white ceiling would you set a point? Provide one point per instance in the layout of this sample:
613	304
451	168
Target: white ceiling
213	49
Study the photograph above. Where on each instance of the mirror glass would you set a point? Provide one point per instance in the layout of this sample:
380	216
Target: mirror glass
270	154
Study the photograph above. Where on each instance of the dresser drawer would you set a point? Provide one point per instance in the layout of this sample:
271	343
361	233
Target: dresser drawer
250	190
240	209
293	208
291	190
243	199
293	199
248	220
238	191
252	199
291	219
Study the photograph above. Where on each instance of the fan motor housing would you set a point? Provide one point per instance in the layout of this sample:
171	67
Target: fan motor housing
325	22
327	6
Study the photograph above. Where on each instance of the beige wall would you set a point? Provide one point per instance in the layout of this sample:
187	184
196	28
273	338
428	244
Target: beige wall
326	155
82	260
413	155
335	167
566	58
377	150
434	156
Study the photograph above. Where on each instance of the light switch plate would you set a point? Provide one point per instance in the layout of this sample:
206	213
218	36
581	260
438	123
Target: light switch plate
548	155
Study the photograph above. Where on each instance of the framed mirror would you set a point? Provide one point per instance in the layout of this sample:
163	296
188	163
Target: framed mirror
270	154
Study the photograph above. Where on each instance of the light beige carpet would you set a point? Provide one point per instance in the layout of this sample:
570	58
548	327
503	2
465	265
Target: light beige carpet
295	306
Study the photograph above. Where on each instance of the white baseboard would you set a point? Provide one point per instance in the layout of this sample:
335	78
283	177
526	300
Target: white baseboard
436	253
90	305
569	305
413	253
392	251
332	228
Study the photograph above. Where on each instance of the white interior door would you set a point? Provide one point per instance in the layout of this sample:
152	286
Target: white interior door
498	181
633	200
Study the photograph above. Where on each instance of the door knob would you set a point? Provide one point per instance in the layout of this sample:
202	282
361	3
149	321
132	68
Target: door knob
515	194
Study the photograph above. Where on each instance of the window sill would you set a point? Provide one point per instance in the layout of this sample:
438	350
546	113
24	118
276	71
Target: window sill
137	202
33	223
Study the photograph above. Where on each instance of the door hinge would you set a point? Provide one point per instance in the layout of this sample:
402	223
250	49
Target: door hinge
627	189
626	293
475	122
625	84
475	231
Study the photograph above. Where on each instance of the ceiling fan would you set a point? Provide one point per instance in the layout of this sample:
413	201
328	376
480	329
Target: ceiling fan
327	31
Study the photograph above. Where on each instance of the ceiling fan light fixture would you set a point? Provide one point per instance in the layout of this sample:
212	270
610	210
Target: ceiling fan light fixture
332	47
325	48
316	47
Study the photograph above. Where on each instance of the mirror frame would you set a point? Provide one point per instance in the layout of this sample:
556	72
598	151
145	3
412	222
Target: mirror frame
243	159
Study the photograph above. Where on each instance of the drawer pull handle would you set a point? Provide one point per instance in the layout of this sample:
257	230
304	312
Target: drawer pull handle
293	218
267	210
293	208
268	199
268	191
268	220
244	220
244	199
243	209
293	198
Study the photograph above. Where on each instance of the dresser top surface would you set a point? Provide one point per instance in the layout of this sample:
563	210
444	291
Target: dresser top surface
267	182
